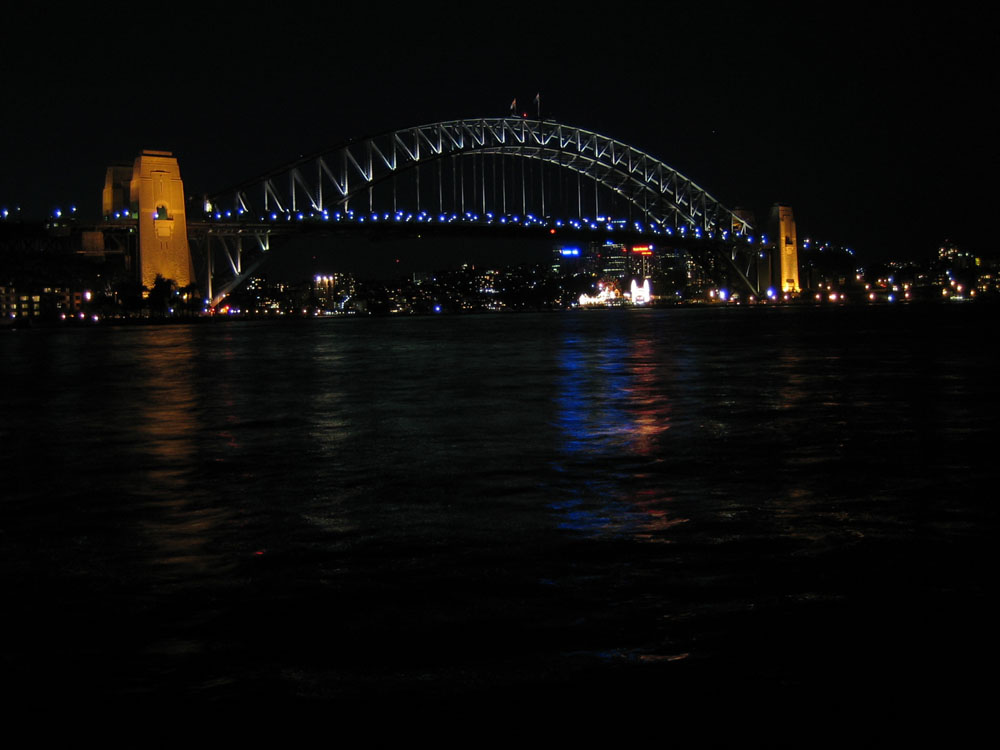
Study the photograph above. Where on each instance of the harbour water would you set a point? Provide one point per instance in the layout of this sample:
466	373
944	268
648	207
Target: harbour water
729	506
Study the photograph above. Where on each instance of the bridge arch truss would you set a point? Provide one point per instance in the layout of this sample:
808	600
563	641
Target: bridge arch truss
486	168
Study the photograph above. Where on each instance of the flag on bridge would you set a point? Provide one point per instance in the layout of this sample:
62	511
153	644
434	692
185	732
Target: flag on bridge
513	106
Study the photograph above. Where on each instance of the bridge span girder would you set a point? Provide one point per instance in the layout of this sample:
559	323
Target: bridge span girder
359	168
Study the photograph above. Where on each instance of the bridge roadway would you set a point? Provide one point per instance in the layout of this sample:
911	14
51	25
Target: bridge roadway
226	241
229	236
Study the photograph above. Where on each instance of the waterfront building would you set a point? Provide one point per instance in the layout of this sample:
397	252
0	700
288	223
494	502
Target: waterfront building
613	258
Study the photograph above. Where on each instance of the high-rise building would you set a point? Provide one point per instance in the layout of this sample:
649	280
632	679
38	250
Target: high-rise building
642	261
567	259
614	260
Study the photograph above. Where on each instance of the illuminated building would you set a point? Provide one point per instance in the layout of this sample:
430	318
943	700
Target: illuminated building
17	303
41	302
607	296
422	277
641	294
327	292
614	260
642	261
955	258
567	259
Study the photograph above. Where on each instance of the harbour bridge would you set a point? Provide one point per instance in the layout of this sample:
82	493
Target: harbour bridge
513	177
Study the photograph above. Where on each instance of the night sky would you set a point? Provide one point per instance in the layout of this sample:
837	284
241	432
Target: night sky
874	127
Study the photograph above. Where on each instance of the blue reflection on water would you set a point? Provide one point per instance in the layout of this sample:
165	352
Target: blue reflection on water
600	415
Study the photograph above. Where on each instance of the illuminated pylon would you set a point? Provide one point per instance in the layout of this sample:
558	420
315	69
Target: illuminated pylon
785	247
157	195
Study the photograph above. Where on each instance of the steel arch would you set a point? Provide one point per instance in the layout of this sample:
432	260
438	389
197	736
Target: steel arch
331	179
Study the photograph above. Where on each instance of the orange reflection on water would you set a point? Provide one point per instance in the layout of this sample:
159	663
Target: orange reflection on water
648	402
182	518
614	406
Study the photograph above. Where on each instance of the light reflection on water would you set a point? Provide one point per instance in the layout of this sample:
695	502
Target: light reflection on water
612	405
180	522
261	494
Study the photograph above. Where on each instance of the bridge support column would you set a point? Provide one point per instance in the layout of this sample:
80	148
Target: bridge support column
157	195
785	245
208	266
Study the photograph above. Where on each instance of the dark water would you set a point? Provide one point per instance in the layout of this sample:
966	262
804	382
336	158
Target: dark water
699	507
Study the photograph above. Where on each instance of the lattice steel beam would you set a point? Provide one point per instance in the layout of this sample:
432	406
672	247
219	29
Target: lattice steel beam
663	194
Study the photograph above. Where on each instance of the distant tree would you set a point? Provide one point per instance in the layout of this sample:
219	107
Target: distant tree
161	296
129	295
189	300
